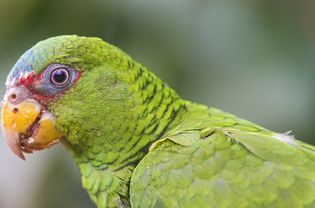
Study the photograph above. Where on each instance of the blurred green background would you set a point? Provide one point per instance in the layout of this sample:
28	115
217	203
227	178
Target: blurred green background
254	59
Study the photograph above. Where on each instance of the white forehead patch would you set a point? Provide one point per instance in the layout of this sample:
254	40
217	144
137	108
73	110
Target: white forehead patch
12	81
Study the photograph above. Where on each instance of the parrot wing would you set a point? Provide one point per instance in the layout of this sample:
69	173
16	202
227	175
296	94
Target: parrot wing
214	159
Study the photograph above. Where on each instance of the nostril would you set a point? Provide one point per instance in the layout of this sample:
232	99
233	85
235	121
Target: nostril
13	96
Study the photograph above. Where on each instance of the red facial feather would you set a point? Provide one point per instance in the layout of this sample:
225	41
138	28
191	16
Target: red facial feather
27	79
30	80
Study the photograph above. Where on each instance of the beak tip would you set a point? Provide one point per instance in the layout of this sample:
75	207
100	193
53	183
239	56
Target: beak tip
12	140
20	155
16	149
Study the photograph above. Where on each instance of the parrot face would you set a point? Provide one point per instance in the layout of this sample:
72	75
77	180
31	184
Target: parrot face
27	124
40	79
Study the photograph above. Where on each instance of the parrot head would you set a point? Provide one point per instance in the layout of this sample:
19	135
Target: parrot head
63	86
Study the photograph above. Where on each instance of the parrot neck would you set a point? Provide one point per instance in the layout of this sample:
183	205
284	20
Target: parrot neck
107	164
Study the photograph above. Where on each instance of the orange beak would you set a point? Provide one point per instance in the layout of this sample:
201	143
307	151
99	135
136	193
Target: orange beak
26	127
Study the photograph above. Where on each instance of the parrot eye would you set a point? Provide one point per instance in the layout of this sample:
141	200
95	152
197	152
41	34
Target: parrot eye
56	78
59	76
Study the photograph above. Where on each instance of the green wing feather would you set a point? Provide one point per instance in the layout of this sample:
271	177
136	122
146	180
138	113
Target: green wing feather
213	159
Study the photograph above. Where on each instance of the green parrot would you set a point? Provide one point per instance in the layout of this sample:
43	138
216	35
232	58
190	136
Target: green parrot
137	143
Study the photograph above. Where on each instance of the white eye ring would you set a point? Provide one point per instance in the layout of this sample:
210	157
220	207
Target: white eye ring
59	76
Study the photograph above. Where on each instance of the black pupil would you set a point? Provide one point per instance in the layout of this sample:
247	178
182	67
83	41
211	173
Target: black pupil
59	76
